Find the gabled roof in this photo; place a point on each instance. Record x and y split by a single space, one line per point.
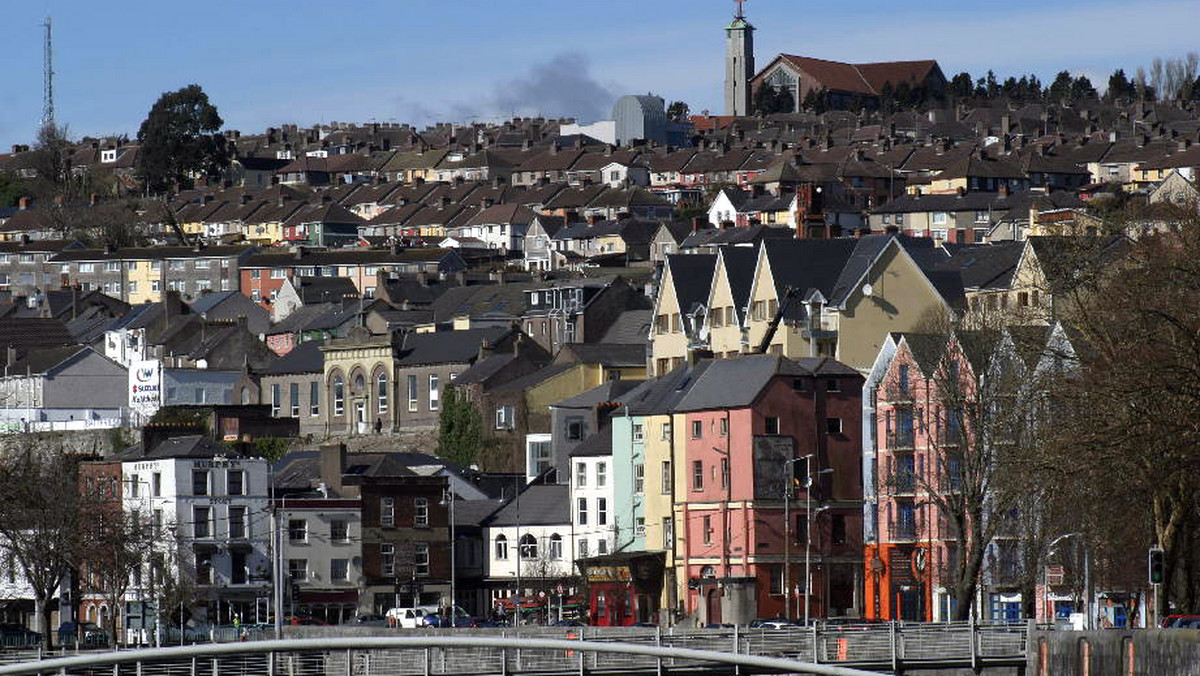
691 275
739 264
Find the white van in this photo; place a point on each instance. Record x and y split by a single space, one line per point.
410 618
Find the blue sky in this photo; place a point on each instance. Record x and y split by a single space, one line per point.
265 62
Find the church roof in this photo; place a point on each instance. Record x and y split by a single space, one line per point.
858 78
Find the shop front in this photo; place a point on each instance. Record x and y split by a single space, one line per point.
624 588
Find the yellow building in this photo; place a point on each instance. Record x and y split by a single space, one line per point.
806 298
679 310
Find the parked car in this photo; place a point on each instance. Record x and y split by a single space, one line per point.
1181 622
569 623
84 633
719 625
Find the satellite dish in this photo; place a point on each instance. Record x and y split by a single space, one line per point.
867 290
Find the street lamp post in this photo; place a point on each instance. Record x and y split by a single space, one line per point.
787 525
808 514
448 498
1087 577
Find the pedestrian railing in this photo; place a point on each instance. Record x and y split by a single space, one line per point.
838 649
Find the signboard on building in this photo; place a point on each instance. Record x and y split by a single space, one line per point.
771 476
145 386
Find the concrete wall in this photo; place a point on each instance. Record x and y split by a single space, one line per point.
1109 653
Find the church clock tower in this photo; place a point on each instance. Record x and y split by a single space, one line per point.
739 63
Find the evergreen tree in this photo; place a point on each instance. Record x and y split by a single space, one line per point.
678 111
961 86
460 429
769 100
180 140
1082 89
1060 89
1119 87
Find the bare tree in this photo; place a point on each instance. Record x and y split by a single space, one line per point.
39 519
117 545
1134 406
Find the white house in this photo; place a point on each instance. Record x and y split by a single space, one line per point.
500 227
621 174
593 506
529 539
211 508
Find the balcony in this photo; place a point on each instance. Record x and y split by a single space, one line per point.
903 529
903 482
902 440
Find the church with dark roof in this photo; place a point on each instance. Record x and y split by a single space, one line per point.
845 85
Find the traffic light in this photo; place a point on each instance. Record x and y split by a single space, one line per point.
1155 566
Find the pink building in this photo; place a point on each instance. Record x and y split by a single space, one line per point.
738 426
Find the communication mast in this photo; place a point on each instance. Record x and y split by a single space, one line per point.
48 78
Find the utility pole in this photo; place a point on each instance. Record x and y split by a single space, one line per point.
47 77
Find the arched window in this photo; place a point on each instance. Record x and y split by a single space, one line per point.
556 546
359 383
245 396
708 572
529 547
381 387
339 395
501 547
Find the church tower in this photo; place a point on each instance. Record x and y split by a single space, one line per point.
739 63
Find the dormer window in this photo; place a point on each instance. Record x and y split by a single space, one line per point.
108 156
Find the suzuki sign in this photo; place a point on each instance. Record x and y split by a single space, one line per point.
145 386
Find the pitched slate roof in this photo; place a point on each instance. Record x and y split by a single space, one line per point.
446 347
43 360
596 445
630 326
736 383
987 266
611 390
191 446
609 354
662 394
537 505
304 358
691 274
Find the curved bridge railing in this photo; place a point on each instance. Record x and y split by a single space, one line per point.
424 655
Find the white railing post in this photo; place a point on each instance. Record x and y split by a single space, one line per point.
971 636
816 657
895 642
658 662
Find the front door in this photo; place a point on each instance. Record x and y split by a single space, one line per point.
713 605
360 416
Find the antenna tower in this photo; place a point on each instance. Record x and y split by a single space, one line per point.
48 78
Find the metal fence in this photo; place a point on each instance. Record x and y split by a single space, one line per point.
556 650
